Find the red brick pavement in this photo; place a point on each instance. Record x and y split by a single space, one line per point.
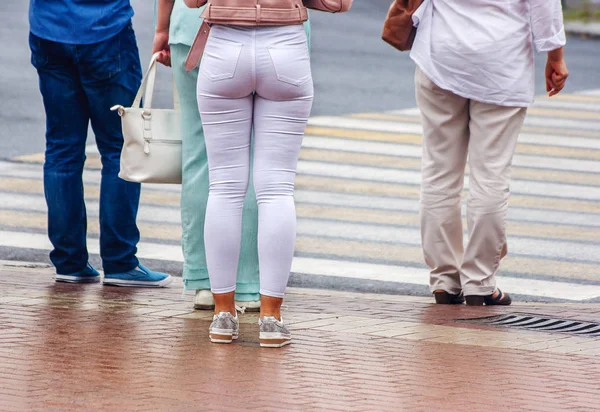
71 347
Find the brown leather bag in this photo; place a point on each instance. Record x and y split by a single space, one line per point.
398 29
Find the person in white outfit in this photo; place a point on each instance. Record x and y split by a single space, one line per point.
255 75
474 82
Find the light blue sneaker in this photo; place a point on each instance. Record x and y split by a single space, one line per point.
138 277
87 275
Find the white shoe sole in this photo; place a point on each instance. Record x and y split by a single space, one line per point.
137 283
222 336
273 340
77 279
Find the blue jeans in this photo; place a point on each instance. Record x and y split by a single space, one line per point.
79 84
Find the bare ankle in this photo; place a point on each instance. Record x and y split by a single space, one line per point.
270 306
224 302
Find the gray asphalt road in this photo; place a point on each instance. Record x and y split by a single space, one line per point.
354 70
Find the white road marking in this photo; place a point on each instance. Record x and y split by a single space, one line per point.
37 203
40 242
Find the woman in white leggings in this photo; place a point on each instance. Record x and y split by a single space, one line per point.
253 79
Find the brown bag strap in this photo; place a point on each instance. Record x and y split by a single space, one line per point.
198 46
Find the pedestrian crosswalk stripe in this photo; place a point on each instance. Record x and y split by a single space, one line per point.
410 120
564 113
568 105
560 131
591 92
412 163
381 122
587 112
92 191
589 148
560 141
557 151
580 97
36 202
37 222
415 138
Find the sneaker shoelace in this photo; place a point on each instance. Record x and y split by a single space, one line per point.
277 322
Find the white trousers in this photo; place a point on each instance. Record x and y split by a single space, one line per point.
454 127
253 79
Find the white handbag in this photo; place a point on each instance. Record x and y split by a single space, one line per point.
152 148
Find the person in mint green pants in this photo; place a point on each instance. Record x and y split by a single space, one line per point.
176 28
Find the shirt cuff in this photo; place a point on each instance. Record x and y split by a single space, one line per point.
552 43
419 13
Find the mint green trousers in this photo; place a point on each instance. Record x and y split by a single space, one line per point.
194 194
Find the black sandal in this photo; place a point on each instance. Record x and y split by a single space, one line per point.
444 298
503 299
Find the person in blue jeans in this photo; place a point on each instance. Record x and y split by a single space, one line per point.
87 60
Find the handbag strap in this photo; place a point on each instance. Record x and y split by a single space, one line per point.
147 87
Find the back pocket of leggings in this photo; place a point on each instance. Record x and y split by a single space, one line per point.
292 64
220 59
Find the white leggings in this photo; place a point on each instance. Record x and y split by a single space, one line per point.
253 79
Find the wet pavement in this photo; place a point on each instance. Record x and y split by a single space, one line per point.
72 347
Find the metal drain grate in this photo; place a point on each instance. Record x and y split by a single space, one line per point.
540 323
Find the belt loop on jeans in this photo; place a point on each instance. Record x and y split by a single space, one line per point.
258 14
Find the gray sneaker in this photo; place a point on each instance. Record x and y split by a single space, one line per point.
224 328
273 333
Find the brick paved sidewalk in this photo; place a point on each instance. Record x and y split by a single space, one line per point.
70 347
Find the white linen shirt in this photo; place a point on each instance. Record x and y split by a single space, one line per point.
484 49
